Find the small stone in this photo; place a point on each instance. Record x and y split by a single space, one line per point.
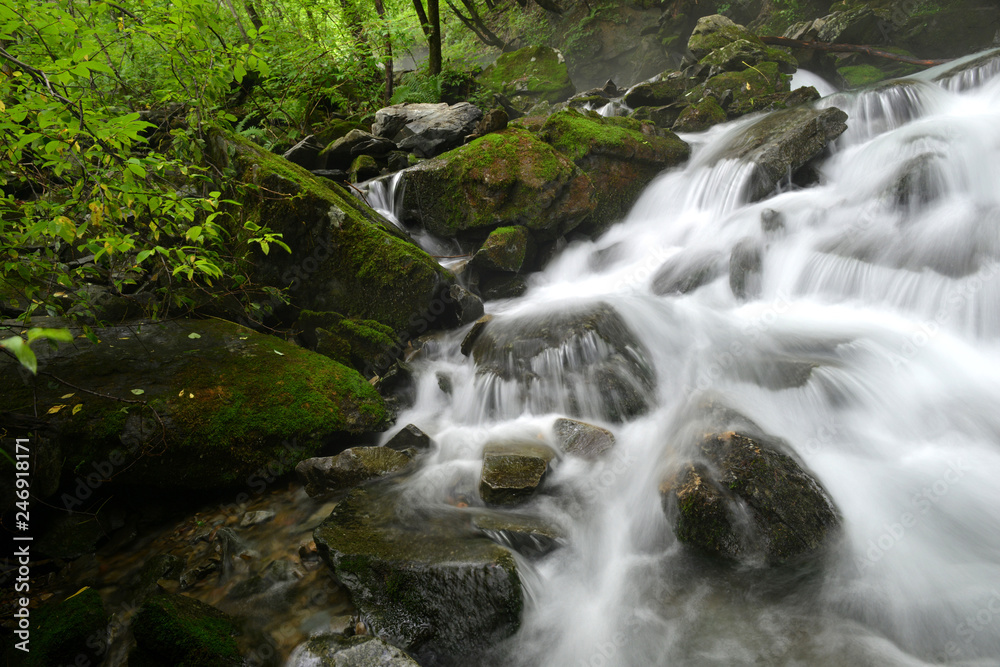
582 439
512 472
254 518
409 437
351 467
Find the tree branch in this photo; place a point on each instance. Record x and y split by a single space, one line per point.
849 48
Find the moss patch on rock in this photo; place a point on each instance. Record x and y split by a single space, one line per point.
502 179
175 630
345 257
232 403
700 116
63 630
506 249
621 156
538 72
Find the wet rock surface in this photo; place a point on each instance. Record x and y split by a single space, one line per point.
747 500
512 472
427 585
350 468
582 439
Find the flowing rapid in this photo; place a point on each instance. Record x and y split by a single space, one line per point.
880 283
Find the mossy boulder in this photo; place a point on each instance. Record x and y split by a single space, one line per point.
337 650
667 90
859 76
602 368
228 403
747 500
63 630
506 249
345 257
365 345
173 630
662 117
700 116
743 53
512 472
430 586
742 92
716 32
349 468
362 168
620 155
502 179
536 72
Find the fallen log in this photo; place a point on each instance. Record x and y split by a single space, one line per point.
849 48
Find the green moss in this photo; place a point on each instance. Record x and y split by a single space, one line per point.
858 76
371 272
61 630
700 116
577 135
500 179
506 249
535 71
181 631
362 168
751 89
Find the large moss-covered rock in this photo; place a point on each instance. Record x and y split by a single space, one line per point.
513 471
507 249
502 179
583 361
172 630
365 345
345 257
752 89
749 501
667 90
716 32
228 403
746 52
430 586
783 142
621 156
349 468
536 72
700 116
62 631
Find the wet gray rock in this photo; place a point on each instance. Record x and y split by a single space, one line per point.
466 306
351 467
306 153
431 587
512 472
745 499
783 142
745 264
589 350
342 152
410 438
336 650
526 534
427 129
687 271
254 518
582 439
507 249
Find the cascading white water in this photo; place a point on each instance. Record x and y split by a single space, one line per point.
885 280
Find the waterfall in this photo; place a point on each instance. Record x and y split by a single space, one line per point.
883 282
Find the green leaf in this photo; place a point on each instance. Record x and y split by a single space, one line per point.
24 354
194 335
138 392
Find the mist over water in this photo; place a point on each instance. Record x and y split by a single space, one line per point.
884 281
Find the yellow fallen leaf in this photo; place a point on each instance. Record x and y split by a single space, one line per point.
55 408
77 408
181 393
190 395
77 593
68 395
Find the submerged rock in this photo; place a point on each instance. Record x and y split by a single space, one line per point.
528 535
512 472
687 271
582 439
440 592
581 361
351 467
502 179
410 438
748 501
342 651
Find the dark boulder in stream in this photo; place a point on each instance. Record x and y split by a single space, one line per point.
427 584
745 499
349 468
178 630
583 361
781 143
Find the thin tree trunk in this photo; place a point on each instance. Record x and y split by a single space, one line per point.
434 39
387 36
474 23
252 12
